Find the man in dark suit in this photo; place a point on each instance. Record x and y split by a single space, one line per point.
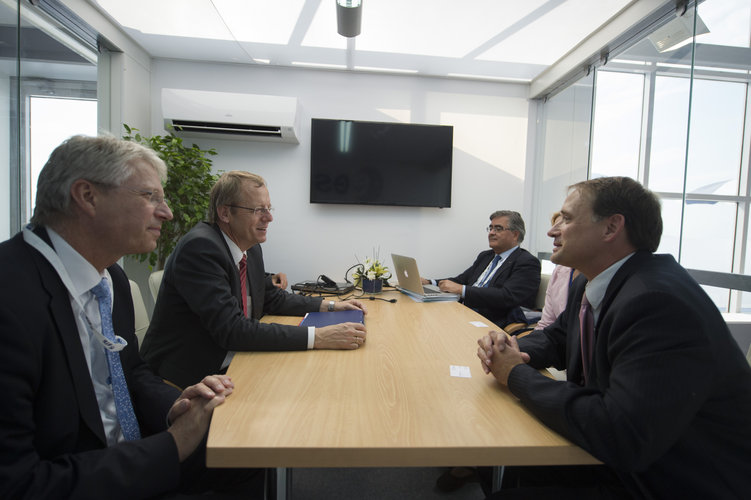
83 415
657 388
501 279
202 316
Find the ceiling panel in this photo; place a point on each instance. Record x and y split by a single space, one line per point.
510 40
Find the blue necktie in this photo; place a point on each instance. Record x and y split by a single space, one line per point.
123 405
495 262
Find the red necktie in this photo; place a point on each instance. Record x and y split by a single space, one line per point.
243 283
587 334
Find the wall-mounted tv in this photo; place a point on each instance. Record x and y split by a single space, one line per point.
380 163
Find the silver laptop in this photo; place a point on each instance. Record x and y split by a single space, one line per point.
408 276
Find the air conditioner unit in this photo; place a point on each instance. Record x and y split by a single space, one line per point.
199 113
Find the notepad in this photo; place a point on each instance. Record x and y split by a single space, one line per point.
332 318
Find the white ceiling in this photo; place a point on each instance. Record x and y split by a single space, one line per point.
507 40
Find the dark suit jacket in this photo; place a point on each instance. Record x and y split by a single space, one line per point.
198 315
52 442
515 284
668 403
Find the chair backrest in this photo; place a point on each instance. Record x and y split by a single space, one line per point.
748 355
155 281
540 300
142 317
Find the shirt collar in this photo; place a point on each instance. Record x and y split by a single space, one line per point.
234 250
83 275
596 288
504 255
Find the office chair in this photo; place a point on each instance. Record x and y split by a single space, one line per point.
141 316
533 315
155 281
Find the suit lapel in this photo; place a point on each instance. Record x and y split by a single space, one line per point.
256 280
505 266
620 277
62 315
232 271
482 265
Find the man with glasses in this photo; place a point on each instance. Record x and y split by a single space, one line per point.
83 416
214 290
501 279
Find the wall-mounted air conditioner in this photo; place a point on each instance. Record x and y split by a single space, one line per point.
200 113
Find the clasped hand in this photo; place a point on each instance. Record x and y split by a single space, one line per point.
190 414
499 353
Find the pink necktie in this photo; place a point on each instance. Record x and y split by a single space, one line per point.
243 283
587 334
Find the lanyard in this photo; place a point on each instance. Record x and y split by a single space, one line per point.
488 273
54 260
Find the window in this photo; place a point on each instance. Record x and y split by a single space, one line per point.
676 121
46 67
45 132
617 123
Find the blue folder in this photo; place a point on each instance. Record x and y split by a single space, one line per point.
332 318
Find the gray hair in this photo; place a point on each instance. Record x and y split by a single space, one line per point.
104 160
228 188
515 221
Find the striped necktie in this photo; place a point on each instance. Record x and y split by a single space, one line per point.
587 335
244 283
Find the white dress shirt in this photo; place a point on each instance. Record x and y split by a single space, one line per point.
595 289
84 277
237 256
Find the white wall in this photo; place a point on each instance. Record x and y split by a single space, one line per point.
305 240
126 78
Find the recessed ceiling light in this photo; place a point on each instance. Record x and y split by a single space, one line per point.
318 65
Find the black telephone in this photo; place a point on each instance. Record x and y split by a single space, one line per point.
327 281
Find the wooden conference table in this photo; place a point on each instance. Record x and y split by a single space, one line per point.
393 402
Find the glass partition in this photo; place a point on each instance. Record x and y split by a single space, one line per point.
8 91
675 118
48 82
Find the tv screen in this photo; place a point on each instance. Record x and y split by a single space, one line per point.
379 163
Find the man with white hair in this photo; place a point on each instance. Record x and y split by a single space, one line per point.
83 415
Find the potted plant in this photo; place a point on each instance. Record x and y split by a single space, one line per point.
189 182
371 275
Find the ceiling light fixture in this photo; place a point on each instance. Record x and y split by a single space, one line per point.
348 17
678 32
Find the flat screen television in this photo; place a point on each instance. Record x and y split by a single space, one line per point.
380 163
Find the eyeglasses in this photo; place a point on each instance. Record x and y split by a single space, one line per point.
497 229
256 211
155 198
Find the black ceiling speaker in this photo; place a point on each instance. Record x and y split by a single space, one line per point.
348 17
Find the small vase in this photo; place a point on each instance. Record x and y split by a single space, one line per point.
372 286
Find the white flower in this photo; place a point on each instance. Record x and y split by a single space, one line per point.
371 275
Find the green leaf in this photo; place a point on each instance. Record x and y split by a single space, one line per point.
189 182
